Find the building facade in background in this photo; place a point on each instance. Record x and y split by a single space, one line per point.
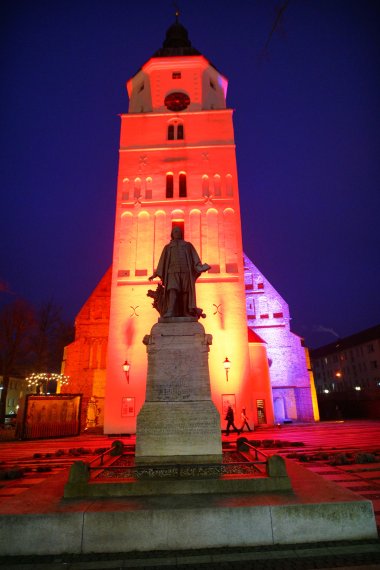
347 376
177 166
17 389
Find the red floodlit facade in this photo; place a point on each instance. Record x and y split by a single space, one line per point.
177 166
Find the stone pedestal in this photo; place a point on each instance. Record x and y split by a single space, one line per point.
178 422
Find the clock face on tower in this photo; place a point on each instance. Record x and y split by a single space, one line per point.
177 101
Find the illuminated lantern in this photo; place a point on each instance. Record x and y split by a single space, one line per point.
227 366
126 367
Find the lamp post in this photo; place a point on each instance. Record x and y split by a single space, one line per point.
126 367
227 366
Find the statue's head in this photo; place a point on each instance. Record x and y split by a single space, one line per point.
176 233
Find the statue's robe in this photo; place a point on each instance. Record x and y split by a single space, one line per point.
194 266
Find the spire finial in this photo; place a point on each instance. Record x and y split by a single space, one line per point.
177 12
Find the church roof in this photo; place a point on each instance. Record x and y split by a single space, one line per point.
176 42
254 337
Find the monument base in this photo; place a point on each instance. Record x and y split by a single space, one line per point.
315 510
178 432
178 422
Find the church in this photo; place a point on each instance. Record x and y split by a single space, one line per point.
177 167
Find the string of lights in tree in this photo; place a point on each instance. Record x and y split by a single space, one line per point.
40 378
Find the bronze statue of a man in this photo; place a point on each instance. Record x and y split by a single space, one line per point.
178 268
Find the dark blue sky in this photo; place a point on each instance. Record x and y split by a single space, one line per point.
307 132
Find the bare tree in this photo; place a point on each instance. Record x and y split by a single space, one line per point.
17 321
44 340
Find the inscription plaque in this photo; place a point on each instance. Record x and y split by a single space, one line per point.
178 422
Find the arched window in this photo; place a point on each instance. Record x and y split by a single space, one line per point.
126 251
175 131
137 192
125 190
212 252
217 190
263 308
169 185
148 188
160 235
277 310
182 185
229 189
205 185
250 303
230 234
259 282
144 249
195 230
178 220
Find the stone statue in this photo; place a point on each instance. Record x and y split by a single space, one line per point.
178 268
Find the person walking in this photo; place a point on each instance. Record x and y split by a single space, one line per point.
244 420
230 421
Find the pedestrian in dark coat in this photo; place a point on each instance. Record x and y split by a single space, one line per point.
230 421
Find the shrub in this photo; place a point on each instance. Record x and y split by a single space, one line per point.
43 469
365 458
341 459
303 457
320 456
117 447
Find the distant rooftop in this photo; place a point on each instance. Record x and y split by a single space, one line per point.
362 337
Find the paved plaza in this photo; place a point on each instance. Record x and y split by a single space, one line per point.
54 458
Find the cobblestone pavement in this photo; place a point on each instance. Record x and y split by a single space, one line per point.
359 436
331 437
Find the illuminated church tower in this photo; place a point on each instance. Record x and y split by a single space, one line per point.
177 167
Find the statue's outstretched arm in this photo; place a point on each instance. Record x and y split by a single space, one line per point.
202 267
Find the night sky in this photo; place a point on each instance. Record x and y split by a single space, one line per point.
304 82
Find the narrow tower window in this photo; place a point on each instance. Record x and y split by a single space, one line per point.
217 185
175 131
182 185
137 189
229 188
169 185
148 188
263 308
125 190
205 185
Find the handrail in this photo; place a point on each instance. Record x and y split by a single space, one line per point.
101 457
255 449
178 467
